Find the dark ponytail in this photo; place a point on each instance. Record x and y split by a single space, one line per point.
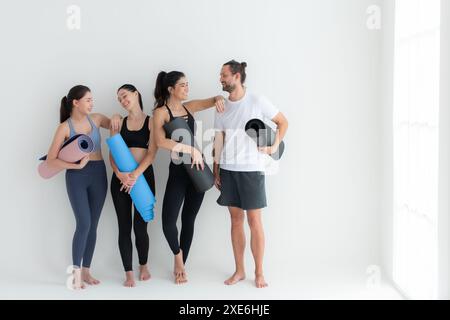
131 88
64 111
76 93
163 82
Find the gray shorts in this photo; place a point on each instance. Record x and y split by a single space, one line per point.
245 190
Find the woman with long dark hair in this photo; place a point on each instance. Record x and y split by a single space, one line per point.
85 181
136 130
170 91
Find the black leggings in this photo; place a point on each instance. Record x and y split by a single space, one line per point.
123 205
179 187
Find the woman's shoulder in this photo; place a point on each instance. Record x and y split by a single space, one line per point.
160 112
63 129
96 118
63 125
188 106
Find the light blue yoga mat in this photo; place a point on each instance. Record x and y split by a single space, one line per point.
141 194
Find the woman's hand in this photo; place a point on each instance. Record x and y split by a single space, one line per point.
197 159
127 180
219 102
83 162
115 122
130 181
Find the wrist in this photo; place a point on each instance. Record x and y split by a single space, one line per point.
135 173
275 146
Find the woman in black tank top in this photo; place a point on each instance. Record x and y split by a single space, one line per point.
171 89
136 131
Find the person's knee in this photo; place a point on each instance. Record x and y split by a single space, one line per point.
125 229
237 220
140 232
254 222
169 228
83 226
188 220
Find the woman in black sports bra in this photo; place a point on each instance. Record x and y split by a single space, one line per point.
135 129
171 89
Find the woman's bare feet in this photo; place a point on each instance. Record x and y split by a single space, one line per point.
260 282
144 273
129 282
86 277
77 282
178 270
235 278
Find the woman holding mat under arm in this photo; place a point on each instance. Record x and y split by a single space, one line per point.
86 181
136 131
171 90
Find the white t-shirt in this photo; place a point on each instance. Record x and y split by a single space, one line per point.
240 152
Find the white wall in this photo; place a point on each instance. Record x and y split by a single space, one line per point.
444 159
386 155
316 60
387 143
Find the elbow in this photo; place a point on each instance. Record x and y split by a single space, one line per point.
284 123
51 160
159 143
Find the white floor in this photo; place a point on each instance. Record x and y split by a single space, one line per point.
309 283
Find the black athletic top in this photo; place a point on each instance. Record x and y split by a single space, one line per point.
136 139
188 117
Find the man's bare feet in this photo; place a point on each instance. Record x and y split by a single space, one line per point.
77 282
178 270
86 277
129 282
260 282
235 278
144 273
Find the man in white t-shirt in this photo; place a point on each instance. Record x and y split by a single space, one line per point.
239 165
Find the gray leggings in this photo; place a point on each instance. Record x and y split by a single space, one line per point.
87 192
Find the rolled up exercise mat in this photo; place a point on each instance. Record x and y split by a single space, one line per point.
141 194
73 150
264 136
180 132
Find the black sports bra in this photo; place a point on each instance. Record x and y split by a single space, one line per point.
188 117
136 139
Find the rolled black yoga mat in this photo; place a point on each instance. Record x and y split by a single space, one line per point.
264 136
179 131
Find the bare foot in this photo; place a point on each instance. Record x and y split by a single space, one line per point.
235 278
144 273
86 276
129 282
260 282
178 269
77 282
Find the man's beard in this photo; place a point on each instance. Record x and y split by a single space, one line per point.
228 88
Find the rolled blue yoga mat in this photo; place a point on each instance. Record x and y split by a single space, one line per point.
141 194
